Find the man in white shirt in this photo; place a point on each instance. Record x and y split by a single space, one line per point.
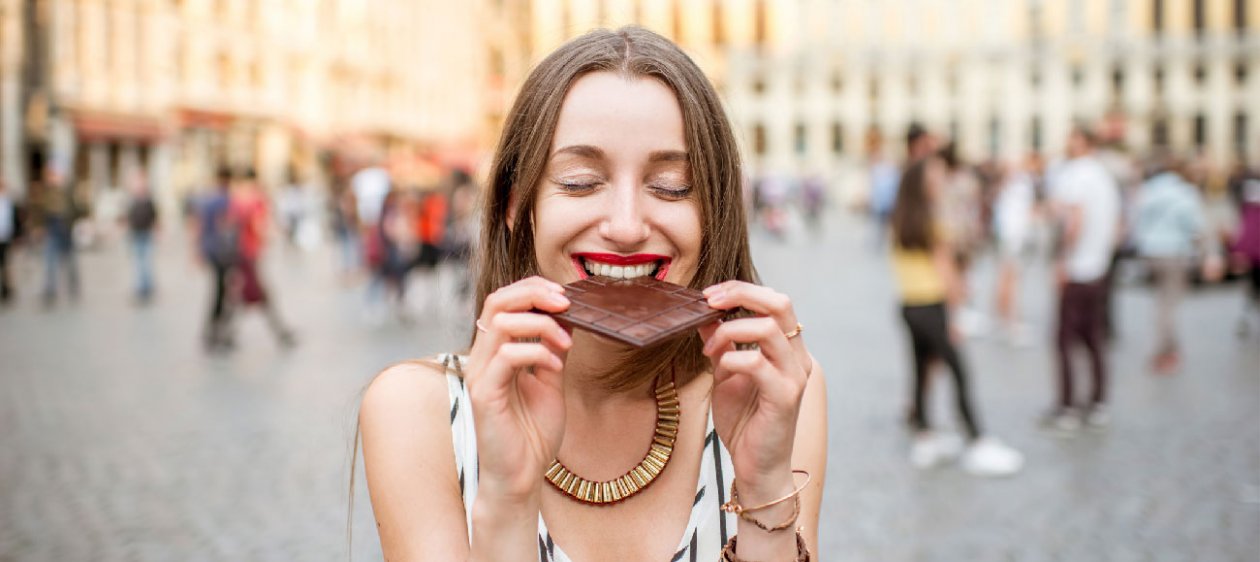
1086 203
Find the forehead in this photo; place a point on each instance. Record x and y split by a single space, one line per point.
620 114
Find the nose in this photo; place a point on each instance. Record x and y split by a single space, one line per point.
625 225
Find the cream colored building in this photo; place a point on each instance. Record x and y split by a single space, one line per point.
805 80
178 88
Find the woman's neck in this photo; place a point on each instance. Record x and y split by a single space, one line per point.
586 389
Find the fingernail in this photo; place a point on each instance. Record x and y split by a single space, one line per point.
558 298
709 290
565 338
716 296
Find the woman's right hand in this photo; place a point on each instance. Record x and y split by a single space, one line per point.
514 381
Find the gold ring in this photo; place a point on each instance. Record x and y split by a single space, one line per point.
480 327
795 331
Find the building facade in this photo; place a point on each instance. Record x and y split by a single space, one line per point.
807 81
174 89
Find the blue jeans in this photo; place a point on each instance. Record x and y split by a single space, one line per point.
142 250
59 253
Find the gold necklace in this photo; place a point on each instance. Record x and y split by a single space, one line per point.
639 477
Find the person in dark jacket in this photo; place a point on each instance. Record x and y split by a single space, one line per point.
142 220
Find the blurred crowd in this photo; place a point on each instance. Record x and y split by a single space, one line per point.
386 231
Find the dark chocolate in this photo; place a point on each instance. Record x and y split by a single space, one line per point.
640 312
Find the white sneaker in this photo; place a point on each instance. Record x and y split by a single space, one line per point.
1064 421
1096 417
972 323
987 456
933 449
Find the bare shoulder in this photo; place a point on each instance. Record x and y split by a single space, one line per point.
409 462
411 386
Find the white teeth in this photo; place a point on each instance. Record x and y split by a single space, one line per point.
619 271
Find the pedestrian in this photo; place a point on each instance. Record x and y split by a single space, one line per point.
10 233
142 220
1086 205
345 216
248 212
616 156
291 206
397 233
1012 226
1246 246
959 212
218 248
59 211
930 288
1169 230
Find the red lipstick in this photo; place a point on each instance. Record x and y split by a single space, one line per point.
615 259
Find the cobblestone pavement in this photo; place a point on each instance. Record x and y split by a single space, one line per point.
121 440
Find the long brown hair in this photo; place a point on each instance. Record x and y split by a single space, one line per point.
507 251
912 216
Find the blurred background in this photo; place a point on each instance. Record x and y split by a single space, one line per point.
165 398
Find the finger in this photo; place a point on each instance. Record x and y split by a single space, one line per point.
510 326
510 359
762 330
759 299
769 381
524 295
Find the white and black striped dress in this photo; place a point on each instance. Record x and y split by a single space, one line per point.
708 528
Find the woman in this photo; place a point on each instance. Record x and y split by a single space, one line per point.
929 284
616 152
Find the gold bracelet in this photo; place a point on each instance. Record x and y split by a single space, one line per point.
733 506
802 551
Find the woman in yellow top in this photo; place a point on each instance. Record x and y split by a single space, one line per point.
929 285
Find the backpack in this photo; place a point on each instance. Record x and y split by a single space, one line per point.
222 235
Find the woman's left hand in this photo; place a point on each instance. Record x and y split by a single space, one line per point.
757 389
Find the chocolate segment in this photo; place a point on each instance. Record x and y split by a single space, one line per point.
640 312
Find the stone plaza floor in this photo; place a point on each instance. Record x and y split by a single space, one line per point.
121 439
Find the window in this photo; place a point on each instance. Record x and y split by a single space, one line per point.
1240 135
800 137
1200 130
1159 81
759 139
1034 130
759 84
1078 76
837 138
837 82
1200 74
1240 73
719 28
1200 18
678 21
1159 133
1157 16
1034 79
1240 17
995 136
1117 81
760 24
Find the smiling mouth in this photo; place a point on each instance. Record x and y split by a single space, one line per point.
589 266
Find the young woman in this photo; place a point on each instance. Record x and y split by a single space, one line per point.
929 285
616 158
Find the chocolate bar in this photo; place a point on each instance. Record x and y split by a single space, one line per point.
640 312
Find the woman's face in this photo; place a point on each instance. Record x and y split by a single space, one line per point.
616 196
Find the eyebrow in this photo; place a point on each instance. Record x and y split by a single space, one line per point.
588 151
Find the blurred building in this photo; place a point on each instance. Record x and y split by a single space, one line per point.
807 80
177 88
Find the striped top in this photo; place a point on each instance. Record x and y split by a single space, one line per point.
708 528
